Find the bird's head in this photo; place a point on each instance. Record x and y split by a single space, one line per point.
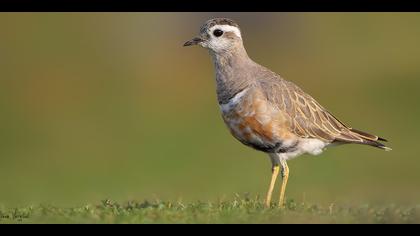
219 35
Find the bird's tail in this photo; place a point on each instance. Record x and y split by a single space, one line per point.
370 139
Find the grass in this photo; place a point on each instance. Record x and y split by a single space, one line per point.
238 210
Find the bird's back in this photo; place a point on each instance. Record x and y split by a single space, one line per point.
272 114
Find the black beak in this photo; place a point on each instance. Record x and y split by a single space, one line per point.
193 41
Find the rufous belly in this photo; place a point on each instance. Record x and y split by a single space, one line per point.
255 122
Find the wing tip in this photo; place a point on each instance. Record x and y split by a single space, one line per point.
367 136
382 139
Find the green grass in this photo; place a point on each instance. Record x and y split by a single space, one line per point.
238 210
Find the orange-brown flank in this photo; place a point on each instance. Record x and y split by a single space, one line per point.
254 121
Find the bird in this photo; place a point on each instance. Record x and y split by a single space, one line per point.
266 112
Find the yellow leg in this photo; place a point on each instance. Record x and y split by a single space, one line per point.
274 175
285 175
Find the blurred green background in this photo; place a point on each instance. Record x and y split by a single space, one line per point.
110 105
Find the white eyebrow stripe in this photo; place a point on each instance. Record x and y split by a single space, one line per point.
227 28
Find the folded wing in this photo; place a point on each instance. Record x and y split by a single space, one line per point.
308 119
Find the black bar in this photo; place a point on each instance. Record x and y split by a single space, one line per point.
208 6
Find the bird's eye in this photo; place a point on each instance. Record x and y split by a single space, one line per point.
217 32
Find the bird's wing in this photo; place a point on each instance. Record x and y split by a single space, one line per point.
306 117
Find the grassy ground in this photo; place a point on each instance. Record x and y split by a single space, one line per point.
239 210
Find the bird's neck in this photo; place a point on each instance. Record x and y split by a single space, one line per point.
231 73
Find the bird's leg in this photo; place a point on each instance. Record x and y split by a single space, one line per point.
285 176
274 173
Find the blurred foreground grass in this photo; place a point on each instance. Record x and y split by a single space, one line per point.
238 210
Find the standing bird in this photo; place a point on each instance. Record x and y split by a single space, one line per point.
266 112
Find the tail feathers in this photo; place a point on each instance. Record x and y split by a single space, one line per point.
360 137
376 144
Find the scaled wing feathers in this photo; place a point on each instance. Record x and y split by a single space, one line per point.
307 118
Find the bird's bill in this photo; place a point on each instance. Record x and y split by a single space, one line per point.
193 41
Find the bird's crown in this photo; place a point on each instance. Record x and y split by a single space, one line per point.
218 21
223 24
